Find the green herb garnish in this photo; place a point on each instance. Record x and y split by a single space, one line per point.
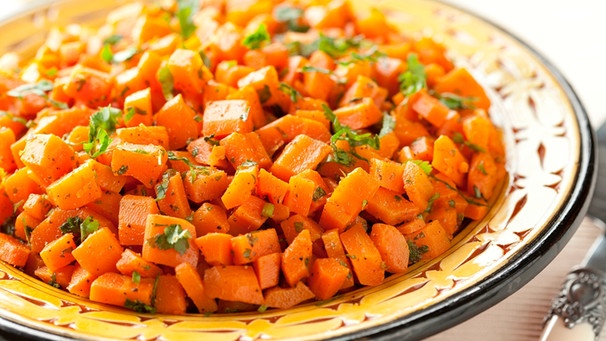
258 38
186 10
413 79
174 237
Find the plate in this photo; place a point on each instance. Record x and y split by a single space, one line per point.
551 165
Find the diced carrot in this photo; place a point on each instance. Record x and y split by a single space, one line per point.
209 218
334 249
447 158
180 121
171 197
19 185
80 282
58 253
271 187
7 138
296 258
13 251
90 86
302 153
284 298
241 186
205 184
392 246
327 277
24 224
245 148
433 239
346 202
48 157
288 127
207 151
120 290
391 207
138 108
429 107
99 252
248 216
133 214
141 134
170 296
233 283
143 162
267 269
75 189
248 247
60 277
417 185
188 71
364 256
169 241
296 223
460 82
216 248
131 262
191 281
388 173
224 117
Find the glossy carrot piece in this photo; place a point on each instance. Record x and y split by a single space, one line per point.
365 259
302 153
58 253
131 262
284 298
171 196
48 157
205 184
157 248
392 246
209 218
192 283
99 252
180 121
143 162
224 117
133 213
241 187
116 289
248 247
248 216
13 251
76 189
346 202
216 248
327 277
170 296
233 283
245 148
267 269
296 258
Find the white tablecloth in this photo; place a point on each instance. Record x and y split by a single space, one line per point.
570 35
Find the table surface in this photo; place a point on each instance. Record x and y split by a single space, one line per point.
569 37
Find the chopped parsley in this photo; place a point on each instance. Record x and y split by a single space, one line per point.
40 89
101 125
80 228
458 138
425 165
414 78
258 38
139 306
290 91
186 10
353 138
291 17
167 81
268 210
174 237
456 102
416 252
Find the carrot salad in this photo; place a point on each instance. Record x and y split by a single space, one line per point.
226 155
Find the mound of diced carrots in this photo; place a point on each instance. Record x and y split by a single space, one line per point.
227 155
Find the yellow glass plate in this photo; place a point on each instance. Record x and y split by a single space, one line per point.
551 161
